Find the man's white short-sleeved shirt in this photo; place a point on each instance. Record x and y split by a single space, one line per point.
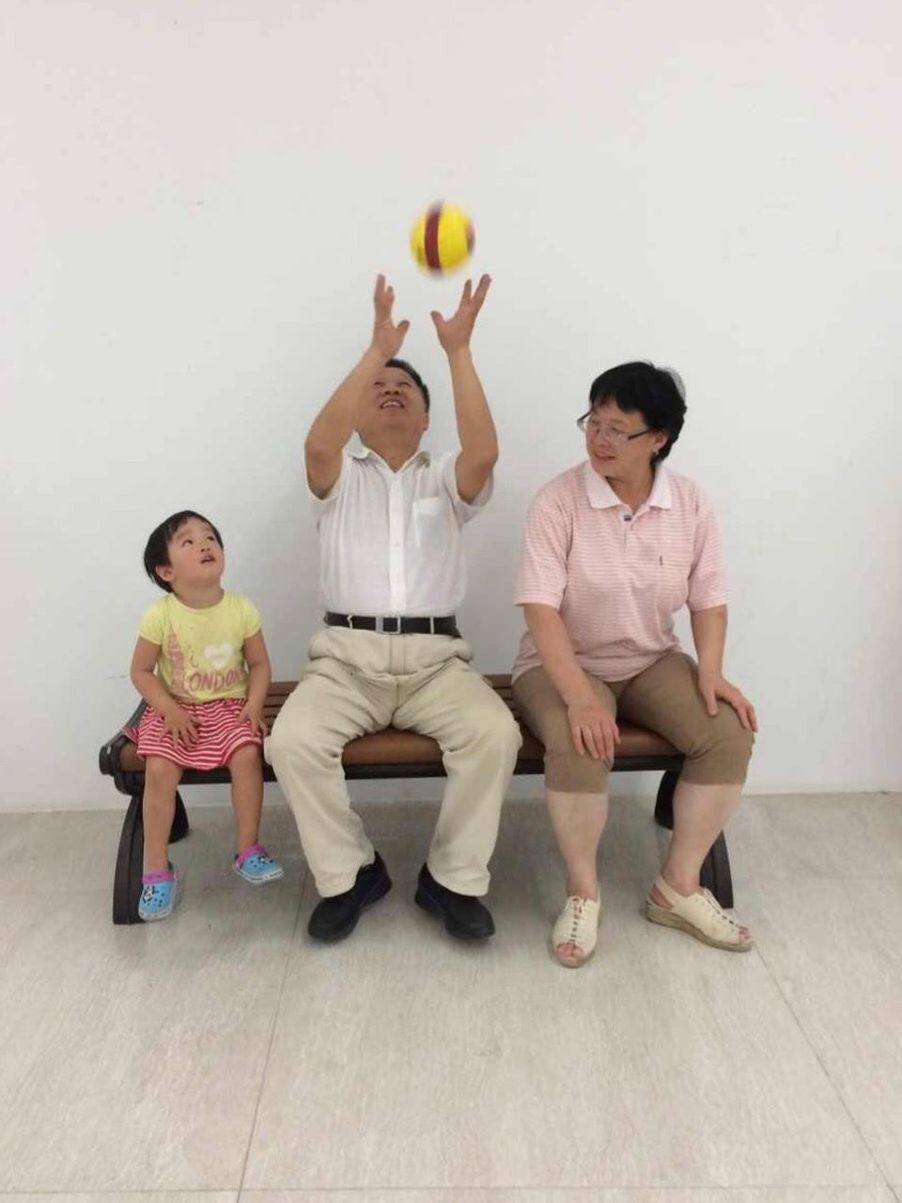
390 542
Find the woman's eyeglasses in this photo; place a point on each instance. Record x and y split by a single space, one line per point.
594 429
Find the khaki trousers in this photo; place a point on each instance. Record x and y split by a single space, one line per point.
664 698
362 681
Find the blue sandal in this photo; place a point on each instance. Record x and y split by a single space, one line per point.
256 866
159 892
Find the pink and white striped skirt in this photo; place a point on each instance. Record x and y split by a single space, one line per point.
220 734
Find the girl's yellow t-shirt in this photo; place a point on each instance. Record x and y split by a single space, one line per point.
201 651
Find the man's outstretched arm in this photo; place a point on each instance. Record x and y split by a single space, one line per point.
475 427
337 420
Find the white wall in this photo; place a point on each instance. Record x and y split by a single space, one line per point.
197 197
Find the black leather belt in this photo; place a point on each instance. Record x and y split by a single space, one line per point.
396 625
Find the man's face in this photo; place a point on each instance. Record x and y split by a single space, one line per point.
395 406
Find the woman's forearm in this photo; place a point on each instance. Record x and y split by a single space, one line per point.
556 653
709 632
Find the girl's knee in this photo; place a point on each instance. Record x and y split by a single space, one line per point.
159 771
245 759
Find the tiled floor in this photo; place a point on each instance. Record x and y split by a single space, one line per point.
221 1056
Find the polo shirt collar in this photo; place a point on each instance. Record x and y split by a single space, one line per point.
603 497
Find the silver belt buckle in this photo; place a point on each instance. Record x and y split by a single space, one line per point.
380 624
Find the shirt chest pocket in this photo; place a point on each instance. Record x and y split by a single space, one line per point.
672 572
430 522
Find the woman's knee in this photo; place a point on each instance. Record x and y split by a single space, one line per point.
723 757
568 771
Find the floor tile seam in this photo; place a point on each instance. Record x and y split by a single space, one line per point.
118 1194
249 1192
824 1068
277 1010
186 874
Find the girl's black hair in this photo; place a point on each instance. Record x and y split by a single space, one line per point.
156 553
656 393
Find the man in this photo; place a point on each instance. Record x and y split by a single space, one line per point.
392 574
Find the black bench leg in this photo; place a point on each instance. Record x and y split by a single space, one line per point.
130 860
716 875
129 865
180 827
664 801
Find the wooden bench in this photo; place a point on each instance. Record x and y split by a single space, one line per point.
382 755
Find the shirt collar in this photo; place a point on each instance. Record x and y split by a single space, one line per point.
418 457
602 496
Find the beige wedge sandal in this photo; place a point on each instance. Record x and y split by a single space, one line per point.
577 924
701 915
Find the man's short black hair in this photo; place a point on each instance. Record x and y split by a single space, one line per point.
639 387
156 553
414 376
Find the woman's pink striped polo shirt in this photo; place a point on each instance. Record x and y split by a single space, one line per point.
618 577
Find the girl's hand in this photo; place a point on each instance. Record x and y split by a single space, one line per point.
181 726
593 730
454 334
254 716
387 336
714 685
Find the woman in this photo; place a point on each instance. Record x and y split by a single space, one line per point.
612 549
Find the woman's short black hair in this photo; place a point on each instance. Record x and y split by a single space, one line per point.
656 393
156 553
414 376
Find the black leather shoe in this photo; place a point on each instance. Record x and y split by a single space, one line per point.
336 917
465 917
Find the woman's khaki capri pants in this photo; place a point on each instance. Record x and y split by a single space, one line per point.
664 698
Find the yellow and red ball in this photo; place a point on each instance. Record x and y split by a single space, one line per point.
442 238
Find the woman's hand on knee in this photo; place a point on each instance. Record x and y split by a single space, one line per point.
714 685
593 729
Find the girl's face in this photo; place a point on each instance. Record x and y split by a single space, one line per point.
195 557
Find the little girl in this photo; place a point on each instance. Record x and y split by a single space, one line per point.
201 666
